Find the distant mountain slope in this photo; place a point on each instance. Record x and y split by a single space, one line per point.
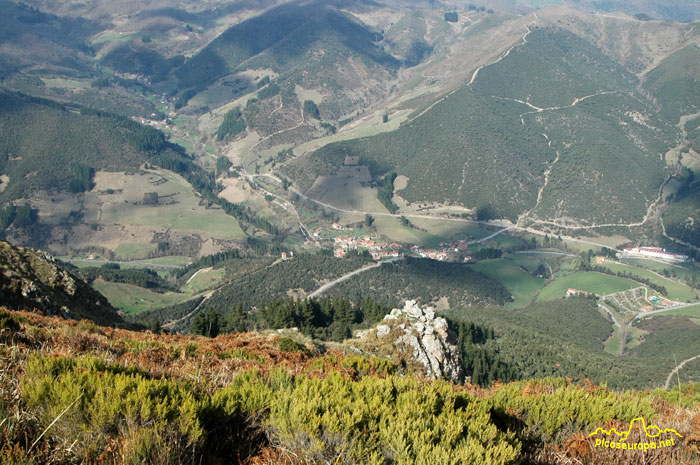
555 130
310 44
676 83
682 217
42 144
28 36
31 279
285 34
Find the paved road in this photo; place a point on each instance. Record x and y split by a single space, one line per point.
652 312
611 314
346 276
424 217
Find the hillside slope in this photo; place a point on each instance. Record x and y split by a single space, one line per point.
543 133
310 44
32 279
42 145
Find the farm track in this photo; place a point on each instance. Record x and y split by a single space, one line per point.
667 385
347 276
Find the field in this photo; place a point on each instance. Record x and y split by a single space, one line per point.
204 279
692 311
128 251
675 289
65 83
134 299
597 283
180 208
521 284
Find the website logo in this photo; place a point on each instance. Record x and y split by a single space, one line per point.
656 438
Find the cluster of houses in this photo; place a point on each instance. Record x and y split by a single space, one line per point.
153 122
440 255
456 246
382 250
379 250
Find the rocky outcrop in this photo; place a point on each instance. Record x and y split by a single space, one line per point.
34 280
417 335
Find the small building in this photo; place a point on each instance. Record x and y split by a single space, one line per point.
654 252
339 253
574 292
337 227
599 259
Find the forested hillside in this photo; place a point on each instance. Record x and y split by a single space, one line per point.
554 105
681 216
424 280
43 146
565 338
285 39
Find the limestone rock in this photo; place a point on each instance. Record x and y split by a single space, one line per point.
424 338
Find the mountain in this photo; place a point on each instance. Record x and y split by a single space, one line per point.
286 36
553 122
310 44
30 36
43 143
30 279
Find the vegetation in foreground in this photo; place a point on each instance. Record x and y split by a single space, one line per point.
75 392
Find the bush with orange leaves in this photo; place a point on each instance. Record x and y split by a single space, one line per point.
73 392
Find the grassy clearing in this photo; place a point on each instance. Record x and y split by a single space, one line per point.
368 126
675 289
205 279
113 36
521 284
681 270
173 260
692 311
635 338
129 251
528 261
597 283
450 230
179 209
65 83
307 94
612 345
393 230
134 299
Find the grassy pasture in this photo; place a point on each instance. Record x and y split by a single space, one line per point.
675 289
585 281
134 299
129 251
205 279
521 284
180 208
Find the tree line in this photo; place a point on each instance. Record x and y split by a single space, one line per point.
328 318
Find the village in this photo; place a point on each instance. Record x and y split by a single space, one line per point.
347 239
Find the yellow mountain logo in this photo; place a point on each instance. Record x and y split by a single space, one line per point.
614 439
651 431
